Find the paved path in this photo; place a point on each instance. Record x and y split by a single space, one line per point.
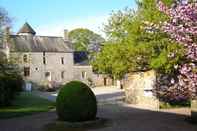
121 117
103 94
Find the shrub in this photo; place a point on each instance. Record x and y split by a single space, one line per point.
174 104
76 102
10 85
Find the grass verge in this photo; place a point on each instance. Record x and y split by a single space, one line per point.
26 104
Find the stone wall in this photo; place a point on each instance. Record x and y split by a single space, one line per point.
83 73
53 65
138 89
102 80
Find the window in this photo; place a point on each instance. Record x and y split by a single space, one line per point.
47 74
44 58
26 71
62 74
62 60
25 59
83 75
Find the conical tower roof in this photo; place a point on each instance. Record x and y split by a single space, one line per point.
27 29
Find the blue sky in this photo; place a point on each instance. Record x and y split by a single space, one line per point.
51 17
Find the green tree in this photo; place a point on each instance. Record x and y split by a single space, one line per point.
4 21
134 46
83 38
10 78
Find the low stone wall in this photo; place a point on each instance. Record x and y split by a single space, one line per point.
102 80
138 89
87 70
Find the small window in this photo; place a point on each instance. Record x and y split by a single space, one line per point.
44 53
62 74
26 71
62 60
25 59
83 75
44 58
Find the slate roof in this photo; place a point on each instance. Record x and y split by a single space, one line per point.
26 43
26 29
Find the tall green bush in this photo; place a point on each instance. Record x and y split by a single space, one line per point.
11 81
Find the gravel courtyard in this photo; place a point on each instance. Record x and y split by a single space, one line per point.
103 94
120 117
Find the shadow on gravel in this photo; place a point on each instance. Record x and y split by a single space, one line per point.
125 118
120 117
79 126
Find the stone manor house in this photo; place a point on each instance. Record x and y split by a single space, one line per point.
46 59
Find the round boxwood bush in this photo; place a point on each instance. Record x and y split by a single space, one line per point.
76 102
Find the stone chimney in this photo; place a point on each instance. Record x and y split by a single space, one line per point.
66 35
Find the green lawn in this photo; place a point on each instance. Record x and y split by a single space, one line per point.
26 104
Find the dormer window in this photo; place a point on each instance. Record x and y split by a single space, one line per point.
25 58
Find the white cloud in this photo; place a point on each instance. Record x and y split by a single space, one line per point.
56 29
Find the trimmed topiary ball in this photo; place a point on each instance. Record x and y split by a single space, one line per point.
76 102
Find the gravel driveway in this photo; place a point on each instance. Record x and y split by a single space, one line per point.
103 94
121 117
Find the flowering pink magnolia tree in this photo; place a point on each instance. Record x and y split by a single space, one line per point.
182 27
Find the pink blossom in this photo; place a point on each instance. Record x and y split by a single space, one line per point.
182 27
